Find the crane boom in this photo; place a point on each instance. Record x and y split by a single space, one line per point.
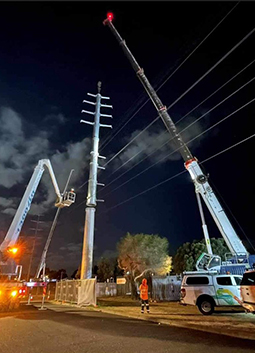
200 181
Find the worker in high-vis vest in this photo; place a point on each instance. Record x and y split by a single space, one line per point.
144 296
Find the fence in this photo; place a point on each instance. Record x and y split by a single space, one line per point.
67 291
84 292
113 289
166 288
106 289
81 292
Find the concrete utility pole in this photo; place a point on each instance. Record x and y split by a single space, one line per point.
88 240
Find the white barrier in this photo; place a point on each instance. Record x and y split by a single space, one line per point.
80 292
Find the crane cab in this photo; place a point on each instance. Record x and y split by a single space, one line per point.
67 200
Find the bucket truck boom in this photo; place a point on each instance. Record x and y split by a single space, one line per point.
200 180
11 287
62 201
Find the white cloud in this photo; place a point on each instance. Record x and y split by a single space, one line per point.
72 247
75 156
10 211
5 202
17 152
58 118
20 152
158 141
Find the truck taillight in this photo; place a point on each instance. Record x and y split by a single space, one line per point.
183 292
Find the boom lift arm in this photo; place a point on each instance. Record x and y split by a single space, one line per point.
62 201
202 186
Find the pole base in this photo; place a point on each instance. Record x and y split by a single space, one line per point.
42 308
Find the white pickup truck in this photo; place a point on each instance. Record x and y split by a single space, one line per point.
208 291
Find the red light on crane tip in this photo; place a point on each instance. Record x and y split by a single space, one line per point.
110 16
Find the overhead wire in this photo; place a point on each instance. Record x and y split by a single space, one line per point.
217 90
184 129
188 90
171 153
195 121
178 67
176 175
177 149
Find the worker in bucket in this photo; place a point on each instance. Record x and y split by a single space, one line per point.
144 296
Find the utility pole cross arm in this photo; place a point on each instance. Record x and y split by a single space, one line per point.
93 103
103 125
86 111
106 106
86 122
106 115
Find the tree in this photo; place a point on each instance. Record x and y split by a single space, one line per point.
188 253
53 274
73 275
105 269
140 253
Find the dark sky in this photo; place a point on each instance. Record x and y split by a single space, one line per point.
53 53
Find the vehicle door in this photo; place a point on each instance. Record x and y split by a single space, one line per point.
195 286
248 287
227 291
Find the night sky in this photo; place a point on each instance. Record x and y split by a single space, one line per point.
53 53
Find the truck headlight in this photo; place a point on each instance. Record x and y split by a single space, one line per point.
14 293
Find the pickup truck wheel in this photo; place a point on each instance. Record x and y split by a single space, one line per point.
206 306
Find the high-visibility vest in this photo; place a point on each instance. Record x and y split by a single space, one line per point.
143 292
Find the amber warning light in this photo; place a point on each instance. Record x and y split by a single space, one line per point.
13 250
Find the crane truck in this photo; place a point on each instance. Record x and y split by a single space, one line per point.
239 259
11 286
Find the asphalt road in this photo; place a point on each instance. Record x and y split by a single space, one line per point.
62 329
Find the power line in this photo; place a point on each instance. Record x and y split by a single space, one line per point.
171 153
199 44
176 175
228 148
193 51
190 88
217 90
240 42
147 127
195 121
194 138
218 104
